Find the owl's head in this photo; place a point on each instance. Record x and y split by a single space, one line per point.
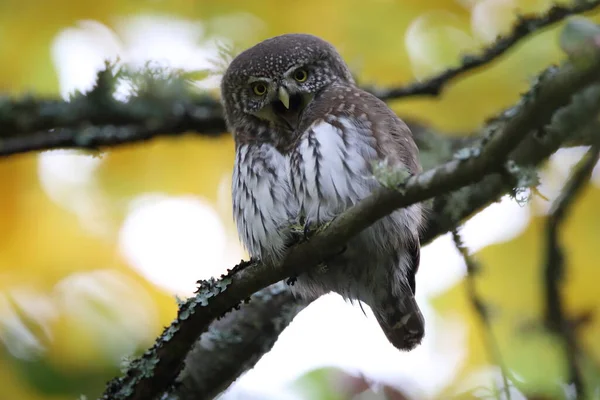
273 81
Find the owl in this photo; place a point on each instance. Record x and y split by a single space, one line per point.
306 141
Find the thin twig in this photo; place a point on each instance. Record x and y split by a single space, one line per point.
525 26
555 269
473 268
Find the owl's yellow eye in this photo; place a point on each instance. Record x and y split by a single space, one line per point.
259 88
300 75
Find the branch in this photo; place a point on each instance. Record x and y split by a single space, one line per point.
554 273
574 125
236 342
97 119
157 368
525 26
481 310
28 125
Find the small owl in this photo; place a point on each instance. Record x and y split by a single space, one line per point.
306 140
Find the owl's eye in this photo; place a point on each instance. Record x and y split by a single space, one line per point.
300 75
259 88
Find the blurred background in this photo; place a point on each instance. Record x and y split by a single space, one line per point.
94 248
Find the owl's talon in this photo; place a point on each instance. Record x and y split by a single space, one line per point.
297 229
307 231
291 280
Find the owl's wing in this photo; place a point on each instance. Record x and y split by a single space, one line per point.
345 130
371 117
395 143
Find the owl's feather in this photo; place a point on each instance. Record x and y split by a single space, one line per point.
263 203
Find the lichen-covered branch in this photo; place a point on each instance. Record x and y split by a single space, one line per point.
235 343
156 370
162 103
574 125
555 267
165 105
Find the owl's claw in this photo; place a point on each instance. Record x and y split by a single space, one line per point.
304 229
297 229
310 230
291 280
307 231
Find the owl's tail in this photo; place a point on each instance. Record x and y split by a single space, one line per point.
401 321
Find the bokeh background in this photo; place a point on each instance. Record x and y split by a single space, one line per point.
94 248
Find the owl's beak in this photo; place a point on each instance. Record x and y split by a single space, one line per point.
284 97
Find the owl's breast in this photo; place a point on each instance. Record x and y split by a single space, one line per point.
330 167
263 204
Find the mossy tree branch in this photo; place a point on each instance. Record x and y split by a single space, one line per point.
236 342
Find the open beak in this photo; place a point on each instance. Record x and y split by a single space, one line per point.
284 96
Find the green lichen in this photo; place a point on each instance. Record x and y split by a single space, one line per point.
179 301
170 331
456 203
467 153
222 338
391 177
210 288
527 180
126 362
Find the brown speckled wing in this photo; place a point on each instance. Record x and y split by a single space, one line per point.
394 139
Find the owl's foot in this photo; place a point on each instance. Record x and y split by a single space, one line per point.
310 229
307 230
304 229
297 229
